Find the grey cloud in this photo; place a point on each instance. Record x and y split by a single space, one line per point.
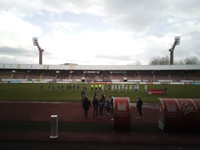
7 60
144 16
15 52
22 56
21 52
17 56
189 45
135 15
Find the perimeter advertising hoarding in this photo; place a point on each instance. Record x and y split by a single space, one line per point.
179 114
100 82
122 113
156 91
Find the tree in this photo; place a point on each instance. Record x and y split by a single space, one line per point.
180 62
191 60
136 63
159 61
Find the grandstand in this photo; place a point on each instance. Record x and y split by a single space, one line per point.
100 73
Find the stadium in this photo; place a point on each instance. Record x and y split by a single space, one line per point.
106 73
43 105
111 78
26 107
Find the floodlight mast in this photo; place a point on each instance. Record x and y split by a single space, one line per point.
35 43
176 42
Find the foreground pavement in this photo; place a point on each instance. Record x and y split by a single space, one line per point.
73 112
120 138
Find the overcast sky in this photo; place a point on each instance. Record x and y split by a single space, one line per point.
98 32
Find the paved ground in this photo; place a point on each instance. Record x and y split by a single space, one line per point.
73 112
67 112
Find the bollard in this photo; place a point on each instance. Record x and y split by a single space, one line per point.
54 126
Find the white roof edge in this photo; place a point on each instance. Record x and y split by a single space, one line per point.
99 67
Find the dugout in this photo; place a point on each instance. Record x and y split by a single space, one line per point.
179 114
125 79
83 79
122 113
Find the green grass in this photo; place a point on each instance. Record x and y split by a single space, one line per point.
33 92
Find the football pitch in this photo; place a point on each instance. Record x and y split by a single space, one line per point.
72 92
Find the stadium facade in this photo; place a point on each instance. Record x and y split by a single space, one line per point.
100 73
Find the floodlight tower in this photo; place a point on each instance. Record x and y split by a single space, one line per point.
35 43
176 42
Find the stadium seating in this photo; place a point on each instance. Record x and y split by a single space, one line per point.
177 75
162 75
19 74
5 74
99 75
193 75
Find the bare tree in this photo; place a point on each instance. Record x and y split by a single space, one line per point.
136 63
154 61
159 61
180 62
191 60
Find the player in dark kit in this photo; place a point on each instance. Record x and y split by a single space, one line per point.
41 86
139 107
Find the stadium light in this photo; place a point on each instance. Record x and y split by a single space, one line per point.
35 43
176 42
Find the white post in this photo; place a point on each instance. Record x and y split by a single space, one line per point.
54 126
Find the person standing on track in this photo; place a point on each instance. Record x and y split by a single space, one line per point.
103 97
95 105
101 106
111 106
95 93
83 94
139 107
86 105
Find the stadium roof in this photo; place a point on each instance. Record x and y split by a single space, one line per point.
99 67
